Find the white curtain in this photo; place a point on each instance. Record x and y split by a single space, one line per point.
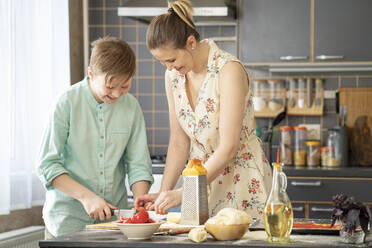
34 69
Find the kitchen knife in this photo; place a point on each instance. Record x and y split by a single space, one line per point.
127 213
122 213
309 92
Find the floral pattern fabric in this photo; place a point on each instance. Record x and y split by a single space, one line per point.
246 179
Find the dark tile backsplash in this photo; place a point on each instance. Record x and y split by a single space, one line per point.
148 83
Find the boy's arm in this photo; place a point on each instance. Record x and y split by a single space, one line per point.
50 162
95 206
140 188
136 155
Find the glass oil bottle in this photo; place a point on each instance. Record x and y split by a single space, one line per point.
278 213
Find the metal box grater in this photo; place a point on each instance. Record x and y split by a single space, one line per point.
194 208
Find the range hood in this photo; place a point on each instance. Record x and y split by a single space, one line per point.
206 12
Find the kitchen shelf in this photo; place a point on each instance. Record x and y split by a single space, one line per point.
312 66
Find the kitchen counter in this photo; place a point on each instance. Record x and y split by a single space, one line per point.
114 239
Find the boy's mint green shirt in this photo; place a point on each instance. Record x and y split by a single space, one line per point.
95 144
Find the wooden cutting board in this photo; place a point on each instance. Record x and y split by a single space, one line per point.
361 140
107 225
358 102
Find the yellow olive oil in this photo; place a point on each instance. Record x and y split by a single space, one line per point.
278 221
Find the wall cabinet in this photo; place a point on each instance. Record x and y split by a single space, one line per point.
272 30
305 31
343 30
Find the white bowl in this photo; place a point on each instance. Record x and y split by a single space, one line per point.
139 231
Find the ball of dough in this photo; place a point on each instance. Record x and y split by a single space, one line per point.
198 235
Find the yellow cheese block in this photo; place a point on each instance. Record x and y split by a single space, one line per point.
108 225
194 168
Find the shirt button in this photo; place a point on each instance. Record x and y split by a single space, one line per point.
101 155
101 191
101 172
102 137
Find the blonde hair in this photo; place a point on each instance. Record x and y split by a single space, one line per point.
112 56
173 27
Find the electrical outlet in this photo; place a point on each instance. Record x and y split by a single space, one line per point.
313 131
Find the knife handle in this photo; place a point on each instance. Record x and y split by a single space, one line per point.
180 230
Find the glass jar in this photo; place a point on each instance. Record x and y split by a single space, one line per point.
328 157
333 142
278 212
259 98
286 145
299 153
276 90
318 91
292 93
301 93
313 153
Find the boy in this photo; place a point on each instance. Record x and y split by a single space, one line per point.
95 137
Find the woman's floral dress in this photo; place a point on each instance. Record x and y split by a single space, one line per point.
246 180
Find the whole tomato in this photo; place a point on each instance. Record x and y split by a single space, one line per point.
140 217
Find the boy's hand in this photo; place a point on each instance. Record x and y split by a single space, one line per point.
97 208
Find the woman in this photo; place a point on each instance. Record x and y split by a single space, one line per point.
211 117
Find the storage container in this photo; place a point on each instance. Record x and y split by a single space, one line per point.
301 93
299 153
276 91
259 95
312 153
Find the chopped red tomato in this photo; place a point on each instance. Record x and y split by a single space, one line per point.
141 216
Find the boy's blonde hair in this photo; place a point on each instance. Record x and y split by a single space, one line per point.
113 57
172 28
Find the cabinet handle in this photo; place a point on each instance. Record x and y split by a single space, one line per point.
298 209
315 209
290 58
311 184
329 57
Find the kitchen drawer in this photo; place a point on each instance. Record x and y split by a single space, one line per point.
320 211
322 189
298 210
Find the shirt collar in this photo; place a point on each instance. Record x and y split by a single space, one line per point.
92 101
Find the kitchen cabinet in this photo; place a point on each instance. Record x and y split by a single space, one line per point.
343 30
274 31
314 194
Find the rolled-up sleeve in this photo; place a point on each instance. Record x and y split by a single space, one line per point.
136 156
50 163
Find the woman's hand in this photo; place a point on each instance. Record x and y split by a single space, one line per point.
167 200
146 201
97 208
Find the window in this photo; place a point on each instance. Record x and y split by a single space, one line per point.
34 69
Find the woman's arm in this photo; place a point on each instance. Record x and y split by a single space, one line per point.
178 152
233 85
179 145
